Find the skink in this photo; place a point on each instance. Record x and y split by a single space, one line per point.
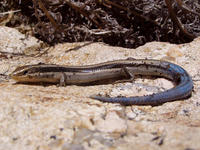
63 75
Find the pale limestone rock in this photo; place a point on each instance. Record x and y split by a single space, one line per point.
112 123
12 41
51 117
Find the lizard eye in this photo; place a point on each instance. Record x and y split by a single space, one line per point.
25 72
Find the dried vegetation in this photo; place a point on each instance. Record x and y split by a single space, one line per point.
127 23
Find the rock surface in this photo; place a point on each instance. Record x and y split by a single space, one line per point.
51 117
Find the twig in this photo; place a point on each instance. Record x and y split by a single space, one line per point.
49 16
128 10
186 8
176 20
6 19
9 12
82 12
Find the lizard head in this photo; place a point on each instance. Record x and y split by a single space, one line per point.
25 73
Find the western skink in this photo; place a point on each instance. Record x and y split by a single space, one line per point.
63 75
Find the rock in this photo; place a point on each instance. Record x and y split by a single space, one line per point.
51 117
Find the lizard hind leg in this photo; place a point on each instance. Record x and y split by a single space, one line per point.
129 76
